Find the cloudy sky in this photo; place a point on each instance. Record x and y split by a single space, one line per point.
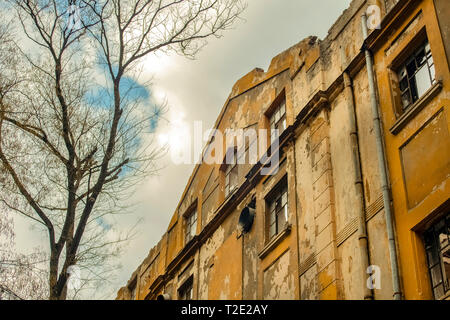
196 91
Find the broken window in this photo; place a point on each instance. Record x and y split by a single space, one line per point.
437 246
186 291
278 119
416 75
191 225
231 172
277 205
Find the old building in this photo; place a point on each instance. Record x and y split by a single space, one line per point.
359 205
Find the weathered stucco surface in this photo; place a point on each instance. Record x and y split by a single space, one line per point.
318 253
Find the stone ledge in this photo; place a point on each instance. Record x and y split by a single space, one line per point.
413 110
275 242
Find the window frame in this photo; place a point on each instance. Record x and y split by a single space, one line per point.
231 171
434 256
275 123
187 286
407 79
274 221
395 64
190 223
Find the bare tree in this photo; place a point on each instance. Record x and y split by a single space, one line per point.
83 127
22 276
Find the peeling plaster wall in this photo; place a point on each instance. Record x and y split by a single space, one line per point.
378 244
304 191
278 281
309 284
207 261
343 177
353 283
225 282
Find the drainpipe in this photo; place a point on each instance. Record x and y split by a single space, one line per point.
357 176
382 166
296 219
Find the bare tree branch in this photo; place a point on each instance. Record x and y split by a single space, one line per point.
74 136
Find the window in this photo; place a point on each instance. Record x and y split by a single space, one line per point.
132 289
231 172
277 205
186 291
437 248
278 119
191 226
416 75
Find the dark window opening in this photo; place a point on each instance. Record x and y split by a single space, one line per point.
437 246
186 291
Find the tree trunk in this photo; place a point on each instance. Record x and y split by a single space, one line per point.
53 281
56 292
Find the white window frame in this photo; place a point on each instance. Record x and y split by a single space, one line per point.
278 119
277 206
191 225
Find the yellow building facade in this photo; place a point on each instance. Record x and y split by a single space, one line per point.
416 132
357 206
